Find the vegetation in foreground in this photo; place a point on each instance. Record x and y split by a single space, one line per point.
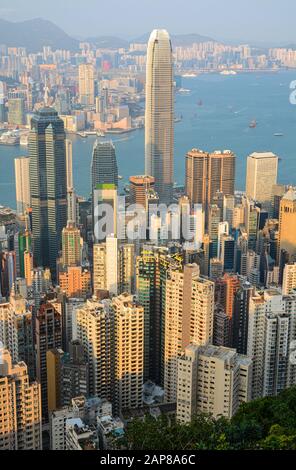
268 423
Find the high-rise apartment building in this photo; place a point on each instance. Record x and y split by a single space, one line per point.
287 232
48 186
159 114
189 315
71 245
128 352
213 380
209 173
151 273
93 328
48 331
22 184
75 281
289 279
261 177
20 407
271 331
105 266
86 84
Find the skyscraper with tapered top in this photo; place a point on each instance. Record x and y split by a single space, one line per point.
159 114
48 185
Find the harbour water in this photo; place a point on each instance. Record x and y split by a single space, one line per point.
215 115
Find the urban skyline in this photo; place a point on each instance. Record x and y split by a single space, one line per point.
145 297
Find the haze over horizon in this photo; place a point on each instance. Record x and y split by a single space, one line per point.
251 22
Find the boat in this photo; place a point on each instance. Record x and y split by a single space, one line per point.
278 134
184 91
90 133
178 118
228 72
253 124
189 75
100 134
9 138
199 103
82 134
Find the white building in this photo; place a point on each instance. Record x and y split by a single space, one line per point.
212 379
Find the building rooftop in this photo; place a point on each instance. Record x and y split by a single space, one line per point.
261 155
290 195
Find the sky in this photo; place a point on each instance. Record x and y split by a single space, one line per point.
254 21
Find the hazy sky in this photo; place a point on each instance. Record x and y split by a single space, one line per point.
249 20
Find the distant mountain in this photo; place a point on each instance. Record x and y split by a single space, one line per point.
108 42
34 34
178 39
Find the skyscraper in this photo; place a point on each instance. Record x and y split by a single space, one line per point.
48 185
287 233
86 84
139 187
22 184
159 114
207 173
261 177
104 164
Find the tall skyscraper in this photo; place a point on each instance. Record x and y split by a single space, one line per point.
287 232
159 114
20 407
86 84
261 177
104 164
209 173
48 185
22 184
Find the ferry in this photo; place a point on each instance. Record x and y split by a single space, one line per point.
189 75
9 138
228 72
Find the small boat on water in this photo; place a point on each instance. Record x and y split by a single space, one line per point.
253 124
199 103
278 134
